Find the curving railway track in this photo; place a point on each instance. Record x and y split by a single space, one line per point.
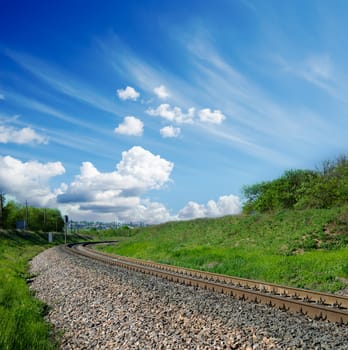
317 305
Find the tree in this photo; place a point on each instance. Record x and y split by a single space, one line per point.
2 201
300 189
40 219
11 214
281 193
330 188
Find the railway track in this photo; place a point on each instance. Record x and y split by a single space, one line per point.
324 306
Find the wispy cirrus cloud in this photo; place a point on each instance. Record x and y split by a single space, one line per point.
257 122
44 108
254 122
62 81
148 76
249 4
213 80
316 69
69 136
319 70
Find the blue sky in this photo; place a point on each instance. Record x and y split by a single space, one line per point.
161 110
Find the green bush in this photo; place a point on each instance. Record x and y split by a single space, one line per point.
301 189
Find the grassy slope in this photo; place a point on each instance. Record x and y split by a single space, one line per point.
307 249
21 316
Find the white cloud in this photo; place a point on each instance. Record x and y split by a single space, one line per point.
146 211
128 93
218 81
117 194
192 210
142 210
2 96
226 205
174 114
161 92
130 126
94 195
26 135
215 117
170 131
151 171
29 180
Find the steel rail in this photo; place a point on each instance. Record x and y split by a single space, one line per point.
316 305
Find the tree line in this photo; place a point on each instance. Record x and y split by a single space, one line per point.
14 215
325 187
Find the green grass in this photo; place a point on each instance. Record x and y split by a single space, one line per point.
21 315
307 249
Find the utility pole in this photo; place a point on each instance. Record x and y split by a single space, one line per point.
66 220
26 223
2 199
44 220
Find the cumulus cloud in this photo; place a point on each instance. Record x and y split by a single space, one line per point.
106 196
9 134
176 115
146 211
117 193
130 126
170 131
226 205
29 180
142 211
192 210
173 114
161 92
128 93
149 170
209 116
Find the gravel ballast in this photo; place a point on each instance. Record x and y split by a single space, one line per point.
97 306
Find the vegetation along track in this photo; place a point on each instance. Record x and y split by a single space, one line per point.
317 305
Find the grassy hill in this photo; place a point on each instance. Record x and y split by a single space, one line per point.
302 248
